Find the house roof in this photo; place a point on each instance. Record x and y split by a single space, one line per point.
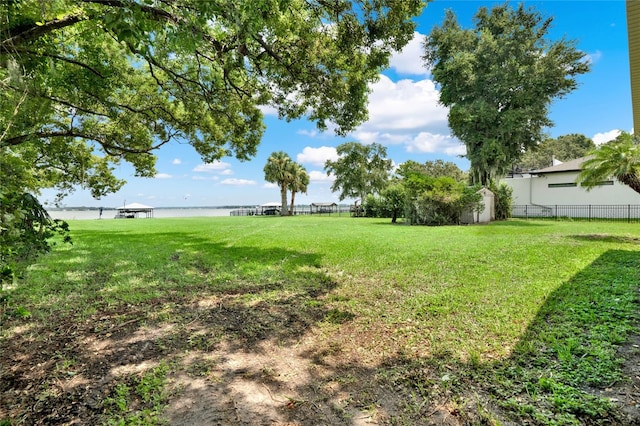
135 206
569 166
633 32
486 192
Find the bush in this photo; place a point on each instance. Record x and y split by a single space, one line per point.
25 231
376 207
442 202
503 199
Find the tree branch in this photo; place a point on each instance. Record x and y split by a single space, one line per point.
109 148
61 58
154 11
34 32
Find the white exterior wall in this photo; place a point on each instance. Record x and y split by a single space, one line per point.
535 190
521 190
487 215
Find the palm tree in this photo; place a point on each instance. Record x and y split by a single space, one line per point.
619 159
279 170
299 183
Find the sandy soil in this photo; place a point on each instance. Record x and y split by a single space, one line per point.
267 365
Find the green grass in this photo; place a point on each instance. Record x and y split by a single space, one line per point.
529 314
147 391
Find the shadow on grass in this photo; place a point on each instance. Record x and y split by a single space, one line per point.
235 326
119 304
574 364
518 223
571 353
522 223
607 238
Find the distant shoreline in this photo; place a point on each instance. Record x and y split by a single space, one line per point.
230 207
83 213
81 208
80 213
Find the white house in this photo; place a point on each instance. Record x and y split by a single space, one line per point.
556 186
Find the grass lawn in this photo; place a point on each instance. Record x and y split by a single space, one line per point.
333 320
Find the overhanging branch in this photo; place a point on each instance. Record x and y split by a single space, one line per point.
109 148
61 58
36 31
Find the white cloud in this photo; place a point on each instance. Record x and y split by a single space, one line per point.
163 176
600 138
215 167
366 138
385 138
205 178
592 58
318 176
309 133
317 156
270 185
409 60
408 113
176 161
239 182
405 105
430 143
268 110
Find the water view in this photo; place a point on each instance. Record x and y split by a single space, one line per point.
71 213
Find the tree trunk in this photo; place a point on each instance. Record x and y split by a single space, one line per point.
631 180
283 201
293 197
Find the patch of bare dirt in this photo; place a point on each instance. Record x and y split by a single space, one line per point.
229 363
626 395
236 364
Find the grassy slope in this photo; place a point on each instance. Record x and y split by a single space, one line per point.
524 313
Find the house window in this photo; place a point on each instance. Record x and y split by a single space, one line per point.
563 185
604 183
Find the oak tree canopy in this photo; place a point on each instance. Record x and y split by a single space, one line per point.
88 83
499 80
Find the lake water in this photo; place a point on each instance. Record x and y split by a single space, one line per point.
78 214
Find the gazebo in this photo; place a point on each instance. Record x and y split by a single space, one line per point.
131 211
323 208
270 209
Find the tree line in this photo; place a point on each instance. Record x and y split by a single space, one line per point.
431 193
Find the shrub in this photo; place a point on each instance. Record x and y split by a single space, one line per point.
376 207
25 231
442 202
503 199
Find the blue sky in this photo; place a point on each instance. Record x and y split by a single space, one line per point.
404 115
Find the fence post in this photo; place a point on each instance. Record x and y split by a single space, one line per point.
556 212
589 212
629 213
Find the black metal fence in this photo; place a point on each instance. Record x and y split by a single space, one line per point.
602 213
